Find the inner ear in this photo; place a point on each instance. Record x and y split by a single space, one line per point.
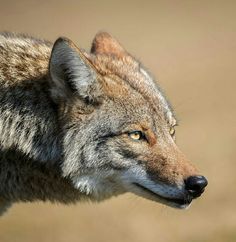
72 74
104 43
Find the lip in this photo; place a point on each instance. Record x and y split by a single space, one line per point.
173 202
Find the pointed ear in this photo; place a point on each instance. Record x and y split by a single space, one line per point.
104 43
72 74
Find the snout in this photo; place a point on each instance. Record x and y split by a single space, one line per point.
195 185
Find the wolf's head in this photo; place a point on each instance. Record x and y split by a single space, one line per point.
119 130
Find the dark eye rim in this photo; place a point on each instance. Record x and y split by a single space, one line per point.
142 134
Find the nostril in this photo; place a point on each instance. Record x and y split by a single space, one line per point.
195 185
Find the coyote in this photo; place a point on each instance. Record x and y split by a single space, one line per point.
77 125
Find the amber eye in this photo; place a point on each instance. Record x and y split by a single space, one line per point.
136 135
172 131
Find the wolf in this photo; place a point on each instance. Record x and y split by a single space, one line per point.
77 125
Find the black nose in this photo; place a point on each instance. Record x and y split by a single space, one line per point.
195 185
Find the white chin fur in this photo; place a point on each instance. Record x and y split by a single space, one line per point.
86 185
98 186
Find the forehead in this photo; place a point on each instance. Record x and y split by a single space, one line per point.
131 78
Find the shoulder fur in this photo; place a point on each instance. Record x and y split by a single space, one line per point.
22 57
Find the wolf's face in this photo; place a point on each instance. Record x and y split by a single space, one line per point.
118 127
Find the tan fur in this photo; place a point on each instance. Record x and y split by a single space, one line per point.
103 43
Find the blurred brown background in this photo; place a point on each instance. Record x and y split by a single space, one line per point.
190 47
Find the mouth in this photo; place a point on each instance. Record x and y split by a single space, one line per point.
172 202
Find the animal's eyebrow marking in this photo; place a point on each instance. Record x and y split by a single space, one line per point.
151 137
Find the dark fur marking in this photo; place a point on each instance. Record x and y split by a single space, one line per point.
127 153
82 156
